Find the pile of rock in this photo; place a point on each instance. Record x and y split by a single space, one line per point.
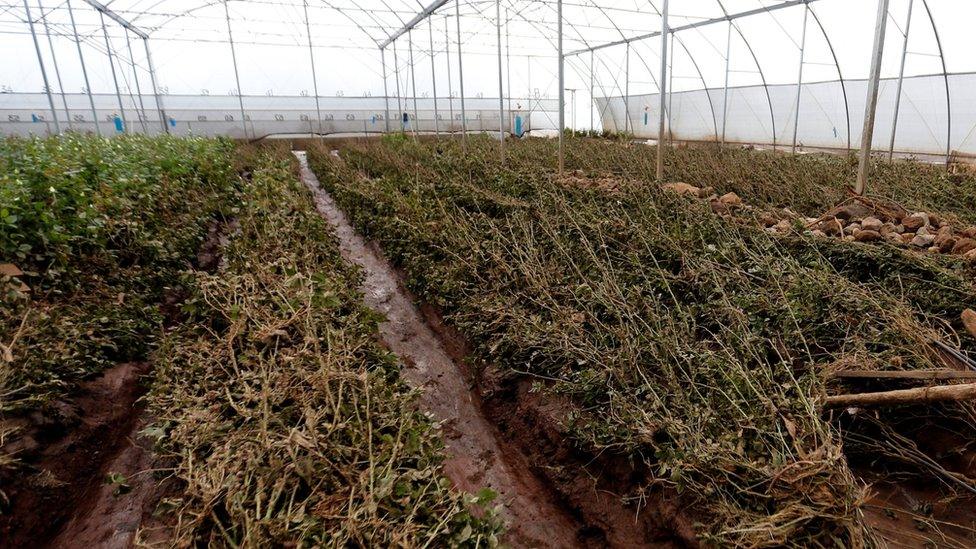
858 221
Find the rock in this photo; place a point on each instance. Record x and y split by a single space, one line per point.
681 188
705 192
719 208
907 237
818 233
782 226
923 240
968 232
730 199
849 237
867 236
831 227
935 220
933 249
915 221
871 223
9 269
767 219
887 228
970 256
945 240
969 321
852 211
963 245
852 228
894 238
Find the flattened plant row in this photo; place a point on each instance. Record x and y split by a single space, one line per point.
288 423
691 346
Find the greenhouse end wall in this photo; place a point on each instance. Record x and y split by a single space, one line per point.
827 119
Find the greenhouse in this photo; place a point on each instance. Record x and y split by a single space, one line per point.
487 273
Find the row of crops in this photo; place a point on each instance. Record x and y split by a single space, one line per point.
696 348
269 413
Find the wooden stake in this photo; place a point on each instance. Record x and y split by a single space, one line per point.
903 374
918 395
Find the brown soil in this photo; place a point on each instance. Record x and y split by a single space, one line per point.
63 499
550 496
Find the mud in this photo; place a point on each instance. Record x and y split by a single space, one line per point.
64 499
548 498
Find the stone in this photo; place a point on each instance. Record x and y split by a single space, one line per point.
681 188
852 228
894 238
915 221
849 237
831 227
923 240
705 192
887 228
867 236
818 233
907 237
923 230
963 245
9 269
935 220
767 219
871 223
970 256
730 199
718 207
852 211
969 321
968 232
782 226
944 239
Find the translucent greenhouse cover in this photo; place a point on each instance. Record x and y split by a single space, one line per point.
251 68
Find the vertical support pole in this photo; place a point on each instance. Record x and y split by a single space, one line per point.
671 91
464 115
799 78
450 85
386 94
562 83
237 75
901 77
111 64
501 88
84 69
592 127
508 68
135 76
871 103
725 88
663 80
627 89
413 83
54 59
433 75
152 78
40 61
311 60
396 75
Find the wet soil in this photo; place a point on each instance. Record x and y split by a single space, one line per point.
510 441
64 499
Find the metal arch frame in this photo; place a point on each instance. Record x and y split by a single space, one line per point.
840 75
762 75
945 75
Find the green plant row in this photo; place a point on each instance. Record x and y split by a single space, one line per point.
102 229
689 344
287 422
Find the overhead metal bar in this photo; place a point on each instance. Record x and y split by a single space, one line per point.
427 12
117 18
695 25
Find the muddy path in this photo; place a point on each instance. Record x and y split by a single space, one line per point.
477 454
67 499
